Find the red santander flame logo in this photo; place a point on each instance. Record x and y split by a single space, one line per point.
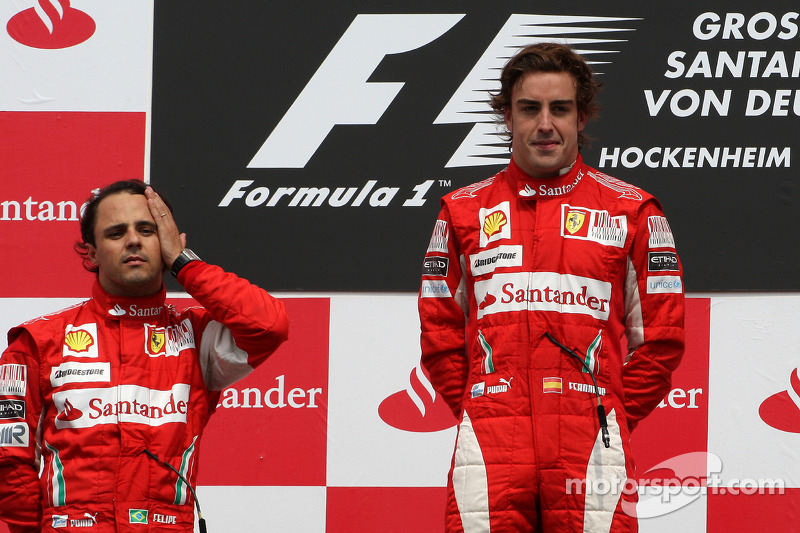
51 24
489 300
782 410
69 413
418 408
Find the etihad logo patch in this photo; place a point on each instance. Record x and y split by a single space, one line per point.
495 223
503 256
80 373
435 266
593 225
552 385
12 409
543 291
439 239
83 408
80 341
13 379
662 261
660 233
168 341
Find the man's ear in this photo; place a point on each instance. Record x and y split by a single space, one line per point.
92 252
582 120
508 121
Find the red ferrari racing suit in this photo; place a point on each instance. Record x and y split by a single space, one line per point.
89 390
518 273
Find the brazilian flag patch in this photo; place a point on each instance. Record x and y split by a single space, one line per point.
137 516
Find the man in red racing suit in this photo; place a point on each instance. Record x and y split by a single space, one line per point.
106 391
542 294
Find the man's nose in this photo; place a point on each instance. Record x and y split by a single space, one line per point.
545 121
132 238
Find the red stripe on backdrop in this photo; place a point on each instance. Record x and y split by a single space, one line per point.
385 509
732 513
50 163
680 424
270 428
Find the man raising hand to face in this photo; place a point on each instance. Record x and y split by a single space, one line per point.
123 384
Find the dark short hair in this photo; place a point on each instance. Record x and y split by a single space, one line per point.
548 57
89 214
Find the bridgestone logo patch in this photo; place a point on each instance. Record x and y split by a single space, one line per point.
80 373
503 256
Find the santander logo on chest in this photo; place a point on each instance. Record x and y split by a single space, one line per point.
543 291
135 310
83 408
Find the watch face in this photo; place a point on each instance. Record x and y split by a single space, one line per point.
185 257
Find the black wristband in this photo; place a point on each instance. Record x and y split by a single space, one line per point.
186 257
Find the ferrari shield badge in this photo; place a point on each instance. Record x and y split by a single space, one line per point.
575 220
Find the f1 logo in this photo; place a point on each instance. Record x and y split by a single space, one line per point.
339 93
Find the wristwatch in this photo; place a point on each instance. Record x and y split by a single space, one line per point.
186 257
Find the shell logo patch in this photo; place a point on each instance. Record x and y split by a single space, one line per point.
495 223
80 341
